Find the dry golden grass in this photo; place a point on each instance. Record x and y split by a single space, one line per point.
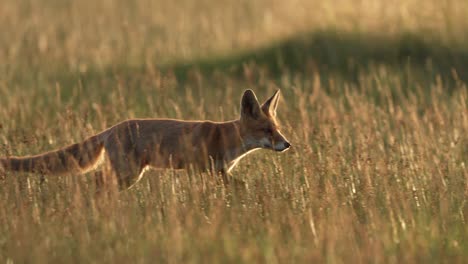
378 172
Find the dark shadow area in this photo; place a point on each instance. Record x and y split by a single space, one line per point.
339 53
343 56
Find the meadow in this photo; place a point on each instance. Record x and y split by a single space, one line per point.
375 104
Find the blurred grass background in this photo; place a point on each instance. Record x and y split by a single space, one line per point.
375 103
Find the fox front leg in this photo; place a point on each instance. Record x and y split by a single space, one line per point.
224 176
229 180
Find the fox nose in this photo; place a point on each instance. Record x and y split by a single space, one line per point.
282 146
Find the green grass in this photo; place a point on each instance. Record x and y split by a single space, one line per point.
374 102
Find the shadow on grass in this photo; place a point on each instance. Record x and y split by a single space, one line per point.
340 53
329 53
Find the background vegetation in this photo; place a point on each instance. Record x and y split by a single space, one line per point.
375 104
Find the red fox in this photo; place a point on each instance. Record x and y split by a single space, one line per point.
136 144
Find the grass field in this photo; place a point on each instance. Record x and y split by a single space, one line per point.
374 102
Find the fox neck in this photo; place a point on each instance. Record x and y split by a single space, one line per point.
237 138
237 147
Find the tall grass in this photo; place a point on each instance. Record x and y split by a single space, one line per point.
378 171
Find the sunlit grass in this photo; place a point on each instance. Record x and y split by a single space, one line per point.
378 171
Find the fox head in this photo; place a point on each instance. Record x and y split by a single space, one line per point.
258 123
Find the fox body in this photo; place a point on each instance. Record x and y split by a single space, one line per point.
129 147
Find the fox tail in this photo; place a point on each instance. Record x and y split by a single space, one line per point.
80 157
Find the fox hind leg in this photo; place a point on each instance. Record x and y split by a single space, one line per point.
127 170
127 177
118 173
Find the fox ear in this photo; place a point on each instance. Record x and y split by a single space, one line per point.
249 105
270 105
